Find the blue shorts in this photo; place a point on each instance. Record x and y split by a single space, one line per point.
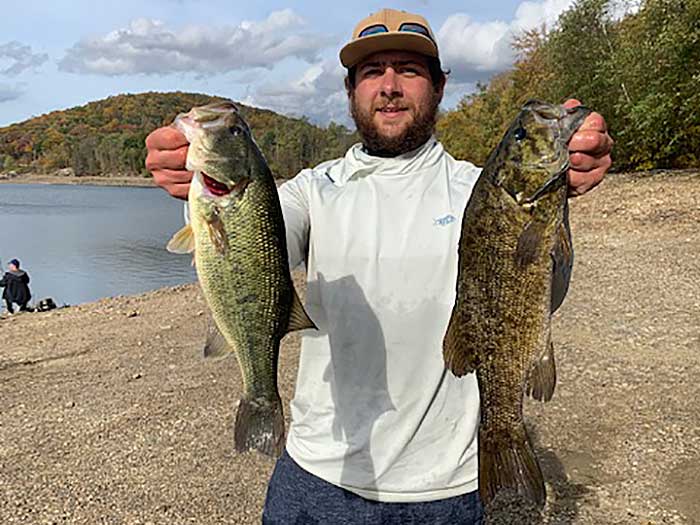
296 497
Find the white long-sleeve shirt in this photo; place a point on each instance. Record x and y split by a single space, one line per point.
375 411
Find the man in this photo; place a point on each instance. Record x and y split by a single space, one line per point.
16 284
380 433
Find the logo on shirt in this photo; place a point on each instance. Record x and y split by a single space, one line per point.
444 221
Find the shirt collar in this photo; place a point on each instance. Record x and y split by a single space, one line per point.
357 163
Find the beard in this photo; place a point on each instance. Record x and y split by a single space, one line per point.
415 135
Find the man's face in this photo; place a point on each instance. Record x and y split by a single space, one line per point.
394 103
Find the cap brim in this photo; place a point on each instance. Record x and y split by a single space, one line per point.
361 48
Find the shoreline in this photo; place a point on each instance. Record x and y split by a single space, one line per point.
72 180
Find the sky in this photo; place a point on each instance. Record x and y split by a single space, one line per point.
57 54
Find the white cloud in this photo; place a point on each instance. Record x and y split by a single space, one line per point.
616 10
9 92
148 46
318 94
474 50
533 14
19 58
477 50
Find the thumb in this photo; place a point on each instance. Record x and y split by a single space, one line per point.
571 103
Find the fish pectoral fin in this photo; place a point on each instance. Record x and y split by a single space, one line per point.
217 233
216 344
298 318
460 358
182 241
529 243
543 376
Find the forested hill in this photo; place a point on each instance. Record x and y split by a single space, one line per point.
107 137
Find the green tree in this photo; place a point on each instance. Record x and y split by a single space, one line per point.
660 59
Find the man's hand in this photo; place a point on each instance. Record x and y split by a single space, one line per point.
589 152
167 152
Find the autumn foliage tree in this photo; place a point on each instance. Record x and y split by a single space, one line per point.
107 137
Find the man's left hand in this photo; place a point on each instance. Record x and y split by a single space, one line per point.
589 153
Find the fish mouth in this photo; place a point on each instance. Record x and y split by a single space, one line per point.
216 188
211 114
569 120
545 110
572 120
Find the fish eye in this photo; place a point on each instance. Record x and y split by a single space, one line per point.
235 130
520 133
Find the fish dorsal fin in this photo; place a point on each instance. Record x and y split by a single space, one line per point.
298 318
563 262
216 344
182 241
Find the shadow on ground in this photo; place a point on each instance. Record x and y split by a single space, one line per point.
684 485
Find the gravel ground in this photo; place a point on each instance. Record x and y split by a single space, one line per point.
109 415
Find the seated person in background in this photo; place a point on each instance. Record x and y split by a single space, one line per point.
16 284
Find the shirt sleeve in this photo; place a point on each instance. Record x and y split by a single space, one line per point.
295 209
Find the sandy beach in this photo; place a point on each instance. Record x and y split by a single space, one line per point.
110 415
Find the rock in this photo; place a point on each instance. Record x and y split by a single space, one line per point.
65 172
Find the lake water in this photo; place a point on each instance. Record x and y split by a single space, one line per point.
82 243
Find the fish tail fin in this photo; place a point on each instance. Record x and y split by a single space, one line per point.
259 425
543 377
510 463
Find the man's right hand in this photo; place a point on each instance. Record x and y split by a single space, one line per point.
167 153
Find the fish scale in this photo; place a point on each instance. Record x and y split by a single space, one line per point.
238 238
252 280
500 323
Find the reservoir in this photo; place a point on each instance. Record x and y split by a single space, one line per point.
81 243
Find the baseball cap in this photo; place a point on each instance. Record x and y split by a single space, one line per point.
386 30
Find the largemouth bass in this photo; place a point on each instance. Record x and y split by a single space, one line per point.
514 236
237 233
